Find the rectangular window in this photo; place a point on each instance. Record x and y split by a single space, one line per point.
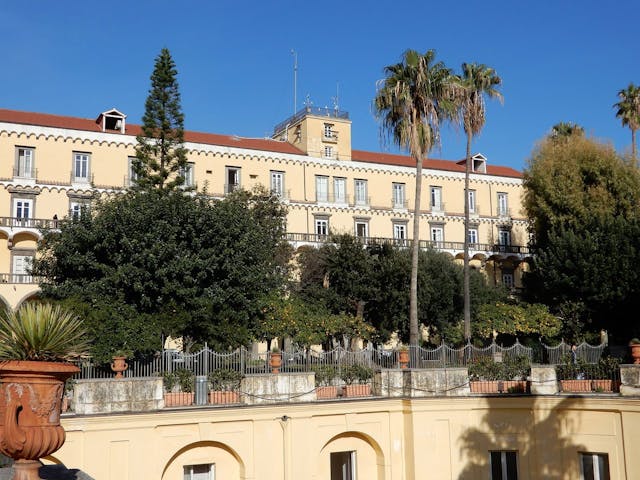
436 199
188 175
360 192
473 235
24 167
133 176
21 268
503 204
504 465
504 237
199 472
362 228
81 167
329 134
77 208
340 189
594 466
22 208
232 179
322 188
343 465
507 279
437 233
472 201
322 227
400 233
277 183
399 200
328 152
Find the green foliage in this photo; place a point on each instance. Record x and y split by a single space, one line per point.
606 368
42 332
182 377
325 374
356 373
225 380
512 368
514 319
192 271
160 155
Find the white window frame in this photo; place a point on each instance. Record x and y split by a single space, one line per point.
25 162
340 190
503 204
436 233
188 473
346 473
329 133
322 188
472 201
436 199
473 236
228 172
81 167
277 183
504 237
598 462
328 151
503 464
399 197
20 266
321 226
359 222
23 208
400 233
360 190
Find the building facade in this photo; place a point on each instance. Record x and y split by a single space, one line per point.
51 166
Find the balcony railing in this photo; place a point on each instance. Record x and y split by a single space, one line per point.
438 208
362 201
399 203
331 137
231 187
22 278
25 173
13 222
333 198
309 110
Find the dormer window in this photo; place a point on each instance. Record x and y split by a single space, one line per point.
112 121
479 163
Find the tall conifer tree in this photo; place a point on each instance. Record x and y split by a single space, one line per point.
161 159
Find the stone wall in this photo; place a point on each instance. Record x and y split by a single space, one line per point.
630 380
429 382
118 395
283 387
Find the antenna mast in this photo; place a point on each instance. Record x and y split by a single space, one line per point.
295 80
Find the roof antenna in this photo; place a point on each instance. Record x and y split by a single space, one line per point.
295 80
336 100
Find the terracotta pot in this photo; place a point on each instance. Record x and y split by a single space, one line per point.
30 402
635 353
119 365
403 358
327 391
499 386
357 390
275 361
224 397
576 385
178 399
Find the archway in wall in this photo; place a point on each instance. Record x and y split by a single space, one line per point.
367 456
224 460
30 297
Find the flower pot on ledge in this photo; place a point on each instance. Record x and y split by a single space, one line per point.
224 397
499 386
403 358
357 390
119 365
326 392
275 362
178 399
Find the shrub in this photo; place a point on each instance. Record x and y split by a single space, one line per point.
357 373
324 374
225 380
513 368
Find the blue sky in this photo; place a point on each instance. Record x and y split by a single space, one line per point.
559 61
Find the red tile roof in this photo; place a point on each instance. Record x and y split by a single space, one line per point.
431 163
89 125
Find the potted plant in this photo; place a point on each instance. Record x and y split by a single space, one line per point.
634 345
356 378
578 376
36 343
403 356
325 375
275 360
509 376
179 388
119 364
224 386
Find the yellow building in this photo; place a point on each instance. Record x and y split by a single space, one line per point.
53 165
465 438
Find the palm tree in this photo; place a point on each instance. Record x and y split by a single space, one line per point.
411 100
566 129
629 112
478 81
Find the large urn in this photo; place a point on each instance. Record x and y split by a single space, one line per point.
30 402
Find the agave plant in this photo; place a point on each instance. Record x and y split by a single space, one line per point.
42 332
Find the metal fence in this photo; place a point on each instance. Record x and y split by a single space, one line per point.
300 360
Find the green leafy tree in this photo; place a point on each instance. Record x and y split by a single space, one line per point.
412 99
161 158
562 130
628 111
479 81
153 263
516 320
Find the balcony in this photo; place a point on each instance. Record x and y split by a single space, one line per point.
330 137
361 201
399 203
19 278
333 199
231 187
22 173
438 208
38 223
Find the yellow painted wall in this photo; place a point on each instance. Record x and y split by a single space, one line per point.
394 439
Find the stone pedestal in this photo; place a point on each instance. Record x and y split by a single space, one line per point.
544 380
630 380
429 382
282 387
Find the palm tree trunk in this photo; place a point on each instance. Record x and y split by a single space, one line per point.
414 334
466 272
633 147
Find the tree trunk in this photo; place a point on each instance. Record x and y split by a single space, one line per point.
633 148
414 334
466 288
